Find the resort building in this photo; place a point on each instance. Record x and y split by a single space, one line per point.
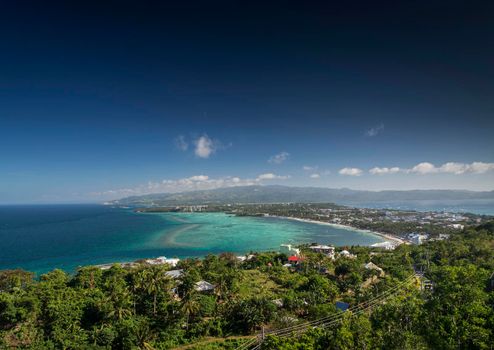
323 249
385 245
163 260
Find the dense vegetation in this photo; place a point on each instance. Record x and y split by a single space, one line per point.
143 308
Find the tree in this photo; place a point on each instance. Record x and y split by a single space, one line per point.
88 277
246 315
458 309
190 306
153 280
15 279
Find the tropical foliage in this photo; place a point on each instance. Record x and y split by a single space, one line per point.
145 308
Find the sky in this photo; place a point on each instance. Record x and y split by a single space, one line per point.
101 100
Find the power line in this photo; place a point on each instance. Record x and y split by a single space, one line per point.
328 321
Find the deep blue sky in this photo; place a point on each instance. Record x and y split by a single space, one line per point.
93 96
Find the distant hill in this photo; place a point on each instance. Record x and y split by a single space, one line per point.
284 194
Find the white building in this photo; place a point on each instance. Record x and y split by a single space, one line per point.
385 245
323 249
457 226
163 260
347 254
289 250
417 238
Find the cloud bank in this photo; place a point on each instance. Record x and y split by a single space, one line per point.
452 168
426 168
192 183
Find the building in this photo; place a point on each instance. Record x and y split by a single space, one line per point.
342 306
294 261
174 273
372 266
289 250
417 238
347 254
385 245
243 258
163 260
457 226
323 249
204 286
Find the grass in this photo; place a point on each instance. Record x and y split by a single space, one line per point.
255 283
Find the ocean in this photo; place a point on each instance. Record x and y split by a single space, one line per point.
43 237
40 238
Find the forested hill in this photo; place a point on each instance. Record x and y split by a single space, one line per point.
284 194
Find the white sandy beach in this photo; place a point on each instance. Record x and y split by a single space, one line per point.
392 239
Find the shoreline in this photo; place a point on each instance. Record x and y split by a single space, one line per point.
389 238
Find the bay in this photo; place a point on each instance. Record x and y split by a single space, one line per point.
43 237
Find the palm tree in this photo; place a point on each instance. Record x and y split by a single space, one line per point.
190 306
118 304
153 280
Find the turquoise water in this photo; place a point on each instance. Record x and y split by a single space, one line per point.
41 238
218 232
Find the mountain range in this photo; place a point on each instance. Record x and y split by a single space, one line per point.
286 194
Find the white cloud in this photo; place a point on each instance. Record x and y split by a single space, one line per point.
423 168
204 146
271 176
309 168
480 167
426 168
383 171
350 171
192 183
375 130
199 178
452 168
315 176
181 143
279 158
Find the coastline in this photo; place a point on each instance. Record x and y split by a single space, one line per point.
389 238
